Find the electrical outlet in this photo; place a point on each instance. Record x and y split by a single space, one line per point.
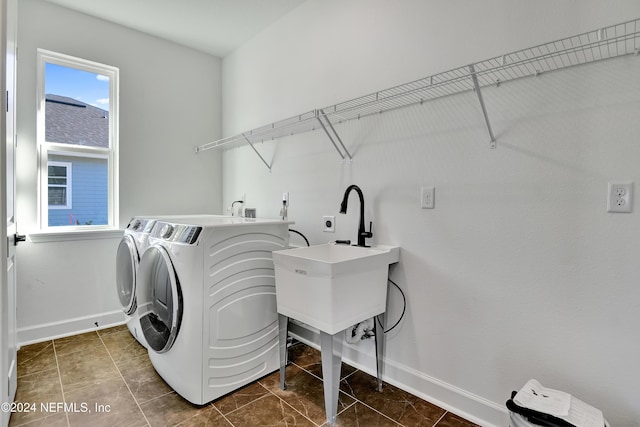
620 197
329 224
427 197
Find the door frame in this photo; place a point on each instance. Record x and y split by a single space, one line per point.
8 344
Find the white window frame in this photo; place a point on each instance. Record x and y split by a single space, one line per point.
68 185
46 148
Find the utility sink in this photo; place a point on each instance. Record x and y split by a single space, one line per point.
332 287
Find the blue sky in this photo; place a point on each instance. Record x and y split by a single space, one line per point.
84 86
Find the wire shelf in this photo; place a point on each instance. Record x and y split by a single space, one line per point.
610 42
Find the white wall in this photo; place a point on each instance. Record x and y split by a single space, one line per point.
169 104
518 272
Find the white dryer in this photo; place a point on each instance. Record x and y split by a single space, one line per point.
207 302
130 249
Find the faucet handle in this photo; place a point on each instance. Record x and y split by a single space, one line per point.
369 234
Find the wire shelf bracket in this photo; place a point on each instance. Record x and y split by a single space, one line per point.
258 153
604 43
476 86
335 134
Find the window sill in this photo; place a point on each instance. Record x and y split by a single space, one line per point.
69 235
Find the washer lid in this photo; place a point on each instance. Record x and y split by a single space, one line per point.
127 259
159 299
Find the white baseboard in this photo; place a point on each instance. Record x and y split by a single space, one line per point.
454 399
65 328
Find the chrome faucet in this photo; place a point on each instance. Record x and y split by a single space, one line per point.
343 210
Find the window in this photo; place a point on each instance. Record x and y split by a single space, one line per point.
78 141
59 177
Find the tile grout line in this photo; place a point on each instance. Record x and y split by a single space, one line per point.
157 397
286 403
39 353
64 400
269 394
282 400
223 415
352 373
240 407
375 410
440 419
195 414
355 399
290 406
33 373
320 378
248 403
123 380
306 370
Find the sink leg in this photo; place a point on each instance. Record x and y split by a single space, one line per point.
283 333
331 351
379 338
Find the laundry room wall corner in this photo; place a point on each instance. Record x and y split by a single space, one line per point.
69 294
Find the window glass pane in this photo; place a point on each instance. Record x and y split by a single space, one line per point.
57 196
76 106
57 175
57 171
86 194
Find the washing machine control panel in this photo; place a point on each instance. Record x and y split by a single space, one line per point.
135 225
166 231
177 233
139 224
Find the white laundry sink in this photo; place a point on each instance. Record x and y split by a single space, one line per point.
332 287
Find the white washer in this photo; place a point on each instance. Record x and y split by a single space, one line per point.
130 249
207 302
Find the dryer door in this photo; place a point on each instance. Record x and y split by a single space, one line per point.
127 259
159 299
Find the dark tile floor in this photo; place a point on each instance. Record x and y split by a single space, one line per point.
104 378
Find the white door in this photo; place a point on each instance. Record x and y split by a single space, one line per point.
8 347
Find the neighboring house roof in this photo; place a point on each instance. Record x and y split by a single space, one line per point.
70 121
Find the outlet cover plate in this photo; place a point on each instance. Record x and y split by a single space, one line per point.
427 197
620 197
329 224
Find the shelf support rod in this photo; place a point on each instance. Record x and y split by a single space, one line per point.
476 85
336 135
257 152
331 137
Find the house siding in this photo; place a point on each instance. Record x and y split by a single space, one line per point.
89 193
